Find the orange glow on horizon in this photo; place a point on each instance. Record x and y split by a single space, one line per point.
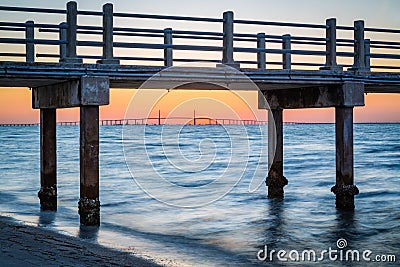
15 107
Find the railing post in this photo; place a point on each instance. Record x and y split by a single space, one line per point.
359 47
261 64
30 44
331 63
227 52
286 56
72 14
63 38
168 59
367 48
108 43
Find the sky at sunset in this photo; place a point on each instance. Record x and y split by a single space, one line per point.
15 103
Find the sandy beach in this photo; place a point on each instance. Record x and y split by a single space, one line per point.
24 245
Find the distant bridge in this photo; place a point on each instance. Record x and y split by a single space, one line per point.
306 74
155 121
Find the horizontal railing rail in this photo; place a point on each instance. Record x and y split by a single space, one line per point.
328 52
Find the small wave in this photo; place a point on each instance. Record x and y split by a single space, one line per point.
378 193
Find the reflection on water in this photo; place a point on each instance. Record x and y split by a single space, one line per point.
234 228
346 226
47 218
88 232
275 222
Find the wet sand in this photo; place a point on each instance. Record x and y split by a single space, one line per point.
24 245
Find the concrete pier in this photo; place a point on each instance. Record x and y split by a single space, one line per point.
88 93
89 204
75 82
48 160
344 98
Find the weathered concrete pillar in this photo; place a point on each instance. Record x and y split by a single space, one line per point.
331 43
286 56
367 48
330 62
227 52
261 59
108 36
30 44
345 190
88 93
275 180
168 56
89 204
48 160
227 40
359 44
72 22
359 48
63 38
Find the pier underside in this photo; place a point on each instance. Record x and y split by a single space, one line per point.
68 81
87 87
89 92
343 98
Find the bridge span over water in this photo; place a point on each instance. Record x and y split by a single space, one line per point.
291 70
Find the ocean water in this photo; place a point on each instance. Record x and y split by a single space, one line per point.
195 195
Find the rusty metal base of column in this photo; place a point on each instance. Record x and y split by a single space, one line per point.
275 186
48 198
345 196
89 211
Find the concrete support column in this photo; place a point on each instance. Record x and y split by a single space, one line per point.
48 160
275 180
89 204
345 190
88 93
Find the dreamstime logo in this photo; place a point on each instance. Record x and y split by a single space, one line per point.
191 166
341 243
331 254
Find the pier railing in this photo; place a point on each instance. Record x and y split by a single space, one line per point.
322 50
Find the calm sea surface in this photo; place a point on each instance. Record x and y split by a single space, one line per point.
195 197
